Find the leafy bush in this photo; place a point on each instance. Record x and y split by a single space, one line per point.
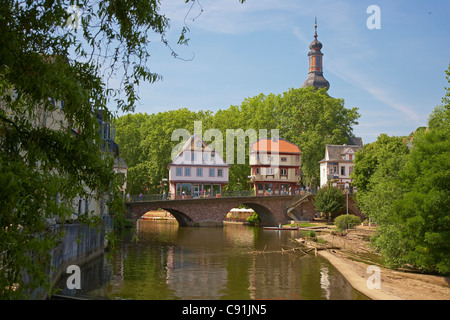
343 222
254 219
329 200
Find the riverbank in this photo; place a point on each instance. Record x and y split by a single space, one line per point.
352 257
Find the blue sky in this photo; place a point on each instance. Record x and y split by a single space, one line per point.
394 75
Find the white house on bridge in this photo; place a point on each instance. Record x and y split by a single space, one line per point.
197 171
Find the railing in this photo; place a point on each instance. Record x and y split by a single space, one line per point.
297 199
224 194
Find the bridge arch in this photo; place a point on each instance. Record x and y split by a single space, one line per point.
266 216
183 219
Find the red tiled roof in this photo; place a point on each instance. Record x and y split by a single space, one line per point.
280 146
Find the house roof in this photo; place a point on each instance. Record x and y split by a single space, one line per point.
191 146
338 152
355 141
277 146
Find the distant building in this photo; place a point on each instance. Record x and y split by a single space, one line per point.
275 166
197 171
338 164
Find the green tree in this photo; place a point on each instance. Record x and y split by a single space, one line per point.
312 119
146 142
329 200
376 176
407 193
44 64
423 211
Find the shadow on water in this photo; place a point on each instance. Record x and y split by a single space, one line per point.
234 262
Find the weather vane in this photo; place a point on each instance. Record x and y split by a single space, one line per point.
315 28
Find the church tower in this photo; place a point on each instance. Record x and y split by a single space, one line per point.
315 74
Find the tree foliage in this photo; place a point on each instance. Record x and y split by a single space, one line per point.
50 153
329 200
407 193
306 117
344 222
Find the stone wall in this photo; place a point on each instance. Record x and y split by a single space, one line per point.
79 245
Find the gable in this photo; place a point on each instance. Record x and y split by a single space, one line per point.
339 152
196 152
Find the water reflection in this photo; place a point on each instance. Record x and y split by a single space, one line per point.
233 262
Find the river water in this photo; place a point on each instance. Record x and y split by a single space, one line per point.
159 260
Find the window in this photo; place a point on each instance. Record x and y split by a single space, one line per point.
284 172
342 171
220 172
297 158
350 157
283 159
269 171
332 170
257 170
213 156
179 171
187 172
212 172
216 189
297 173
199 144
187 189
199 172
260 186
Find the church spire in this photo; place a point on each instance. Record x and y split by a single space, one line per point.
315 74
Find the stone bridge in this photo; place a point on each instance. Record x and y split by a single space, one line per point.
271 210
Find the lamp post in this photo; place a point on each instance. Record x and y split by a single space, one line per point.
346 193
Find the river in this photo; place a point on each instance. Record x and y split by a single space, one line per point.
161 261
